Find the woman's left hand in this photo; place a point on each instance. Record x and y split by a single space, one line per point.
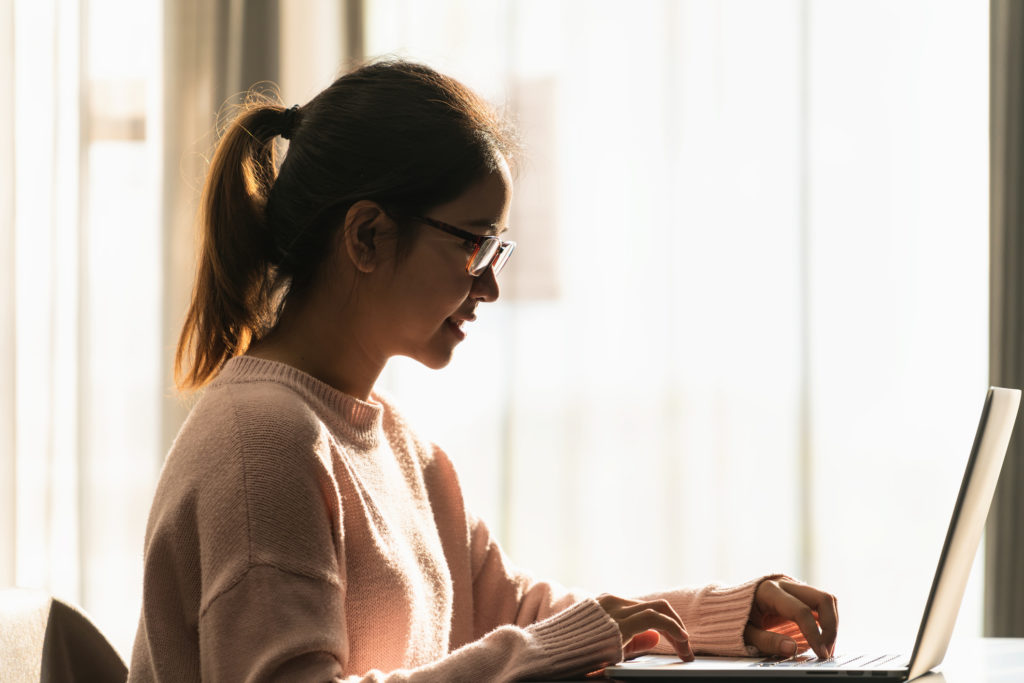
778 601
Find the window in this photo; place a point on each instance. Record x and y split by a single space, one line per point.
87 299
745 328
763 343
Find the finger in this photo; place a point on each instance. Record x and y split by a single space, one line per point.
634 617
671 628
650 619
654 607
610 603
682 648
632 607
769 642
821 602
645 640
790 607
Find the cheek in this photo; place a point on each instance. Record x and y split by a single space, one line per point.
432 290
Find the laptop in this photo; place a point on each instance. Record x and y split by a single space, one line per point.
958 551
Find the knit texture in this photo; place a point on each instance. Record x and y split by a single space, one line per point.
298 533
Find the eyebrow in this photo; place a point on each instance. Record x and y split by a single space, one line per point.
487 223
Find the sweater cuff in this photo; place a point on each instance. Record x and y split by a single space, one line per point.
722 613
578 640
715 616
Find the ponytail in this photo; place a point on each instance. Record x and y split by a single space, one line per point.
233 297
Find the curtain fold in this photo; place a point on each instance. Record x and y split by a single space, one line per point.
8 472
1004 547
214 50
653 326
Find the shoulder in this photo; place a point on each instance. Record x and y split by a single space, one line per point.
246 482
279 439
233 435
249 419
259 439
250 444
268 477
259 403
271 415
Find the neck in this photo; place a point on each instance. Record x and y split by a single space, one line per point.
326 344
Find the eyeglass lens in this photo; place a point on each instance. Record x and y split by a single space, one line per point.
502 258
484 255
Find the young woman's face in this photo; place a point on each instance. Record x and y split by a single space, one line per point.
431 298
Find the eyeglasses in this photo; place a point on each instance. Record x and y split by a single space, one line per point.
488 250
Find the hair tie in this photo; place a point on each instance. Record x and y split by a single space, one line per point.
288 122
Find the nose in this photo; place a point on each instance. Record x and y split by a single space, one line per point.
485 286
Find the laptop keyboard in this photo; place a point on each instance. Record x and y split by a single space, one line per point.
839 662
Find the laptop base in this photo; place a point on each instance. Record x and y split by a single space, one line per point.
804 668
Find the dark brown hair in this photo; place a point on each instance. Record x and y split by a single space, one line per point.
394 132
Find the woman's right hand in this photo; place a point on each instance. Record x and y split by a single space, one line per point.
642 623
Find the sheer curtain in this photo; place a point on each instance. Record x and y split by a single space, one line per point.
745 329
113 113
81 300
213 53
8 468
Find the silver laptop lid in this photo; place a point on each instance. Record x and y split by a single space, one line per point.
965 528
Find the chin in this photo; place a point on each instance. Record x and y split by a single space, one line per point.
437 364
433 359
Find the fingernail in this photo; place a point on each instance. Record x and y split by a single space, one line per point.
788 647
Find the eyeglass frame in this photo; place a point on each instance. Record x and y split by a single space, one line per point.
477 240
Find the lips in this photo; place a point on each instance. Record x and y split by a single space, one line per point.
456 322
455 327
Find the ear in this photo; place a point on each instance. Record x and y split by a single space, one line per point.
363 232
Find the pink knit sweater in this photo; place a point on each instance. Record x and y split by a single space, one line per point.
298 533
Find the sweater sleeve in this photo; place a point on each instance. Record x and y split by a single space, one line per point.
279 626
493 596
715 617
505 594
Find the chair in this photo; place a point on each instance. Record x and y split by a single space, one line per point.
47 640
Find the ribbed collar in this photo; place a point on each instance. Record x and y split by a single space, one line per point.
360 420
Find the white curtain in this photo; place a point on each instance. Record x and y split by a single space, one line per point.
113 117
8 471
83 301
745 330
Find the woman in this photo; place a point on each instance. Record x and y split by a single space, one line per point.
301 530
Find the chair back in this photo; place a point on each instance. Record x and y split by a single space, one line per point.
51 641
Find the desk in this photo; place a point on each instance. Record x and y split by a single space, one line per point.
979 660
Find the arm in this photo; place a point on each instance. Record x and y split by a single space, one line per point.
715 616
769 615
494 592
489 591
274 625
288 612
503 593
